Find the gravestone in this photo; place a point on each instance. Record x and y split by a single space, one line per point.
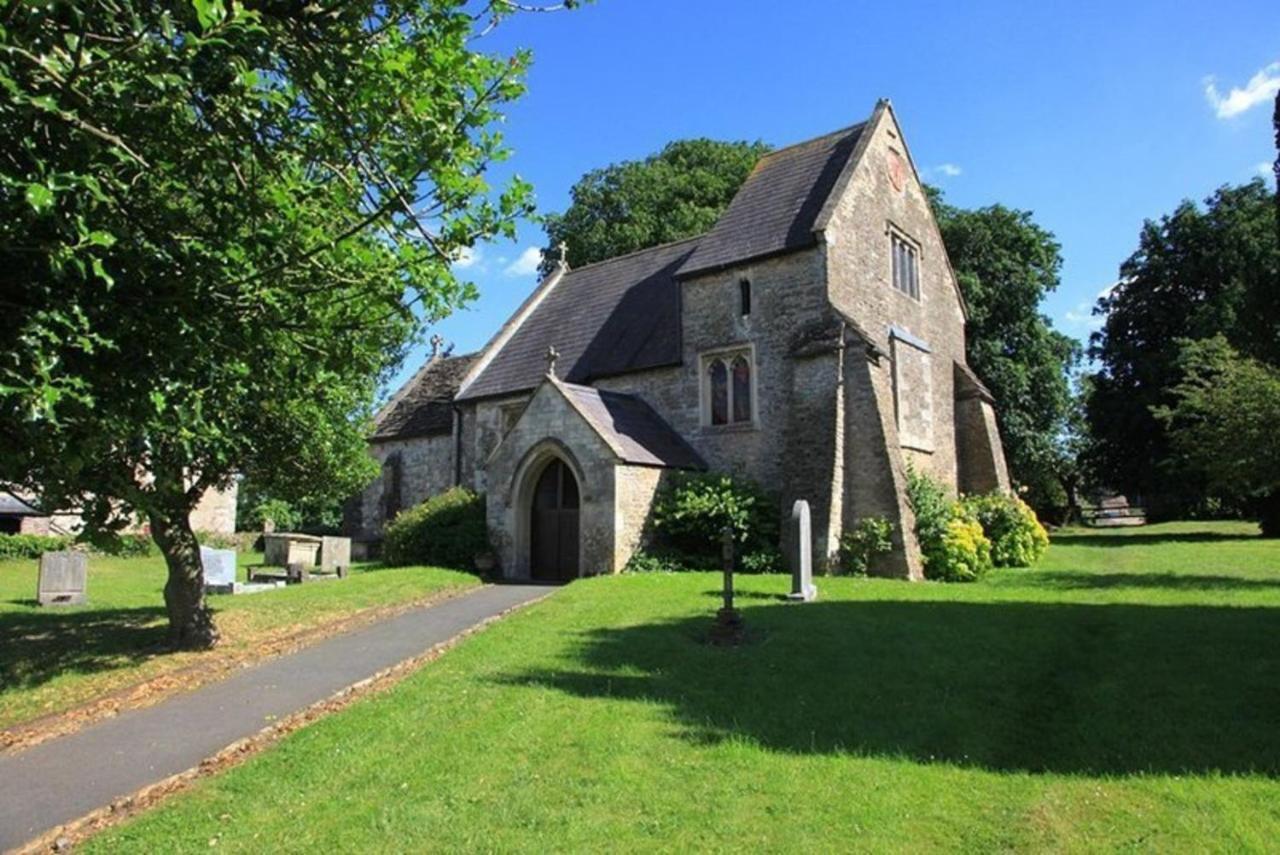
63 579
801 557
219 568
335 555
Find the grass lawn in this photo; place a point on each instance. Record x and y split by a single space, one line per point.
53 659
1123 694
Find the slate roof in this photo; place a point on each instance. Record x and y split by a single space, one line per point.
632 428
623 314
11 505
776 209
607 318
424 407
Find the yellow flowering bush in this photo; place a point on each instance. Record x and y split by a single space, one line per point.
964 552
951 539
1017 537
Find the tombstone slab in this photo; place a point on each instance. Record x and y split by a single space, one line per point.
63 579
801 557
283 549
219 569
335 555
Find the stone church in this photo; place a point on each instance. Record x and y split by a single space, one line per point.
813 340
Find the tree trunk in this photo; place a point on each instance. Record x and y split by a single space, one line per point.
190 621
1269 514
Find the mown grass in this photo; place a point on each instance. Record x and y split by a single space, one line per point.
1123 694
54 659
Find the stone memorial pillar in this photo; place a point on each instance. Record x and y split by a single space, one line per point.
801 557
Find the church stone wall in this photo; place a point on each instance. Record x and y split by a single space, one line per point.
860 273
635 488
551 427
426 468
787 293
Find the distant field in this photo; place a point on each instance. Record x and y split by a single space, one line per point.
53 659
1125 694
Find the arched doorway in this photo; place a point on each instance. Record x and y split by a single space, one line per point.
553 524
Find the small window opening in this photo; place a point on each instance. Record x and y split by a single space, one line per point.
744 297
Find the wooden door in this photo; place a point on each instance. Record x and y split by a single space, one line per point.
554 524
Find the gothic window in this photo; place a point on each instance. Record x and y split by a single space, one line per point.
741 389
744 297
906 266
718 378
391 499
728 389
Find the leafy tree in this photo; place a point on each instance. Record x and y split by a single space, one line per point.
1222 425
1197 273
221 225
1006 264
677 193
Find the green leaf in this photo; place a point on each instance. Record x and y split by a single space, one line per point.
39 197
101 273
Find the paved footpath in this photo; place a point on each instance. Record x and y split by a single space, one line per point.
63 779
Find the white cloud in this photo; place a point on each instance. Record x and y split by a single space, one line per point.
949 169
1082 318
1261 88
526 263
1266 169
467 257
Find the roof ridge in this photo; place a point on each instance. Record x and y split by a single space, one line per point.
839 132
657 246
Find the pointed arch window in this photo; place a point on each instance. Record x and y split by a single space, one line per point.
728 388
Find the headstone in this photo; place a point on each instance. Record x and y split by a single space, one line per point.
63 578
802 589
335 555
297 573
219 568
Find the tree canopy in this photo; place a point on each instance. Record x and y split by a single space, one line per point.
1221 425
222 224
1198 272
677 193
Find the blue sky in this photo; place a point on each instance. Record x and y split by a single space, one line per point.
1093 119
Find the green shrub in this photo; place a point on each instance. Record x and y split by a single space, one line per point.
952 544
30 545
127 546
447 530
690 514
643 561
1017 538
218 540
767 560
870 538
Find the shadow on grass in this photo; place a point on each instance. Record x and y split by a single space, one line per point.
1115 689
37 647
1067 580
1130 537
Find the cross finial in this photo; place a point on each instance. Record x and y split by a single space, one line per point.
552 356
562 253
437 341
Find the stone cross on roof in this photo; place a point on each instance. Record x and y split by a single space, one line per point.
437 341
552 356
562 254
